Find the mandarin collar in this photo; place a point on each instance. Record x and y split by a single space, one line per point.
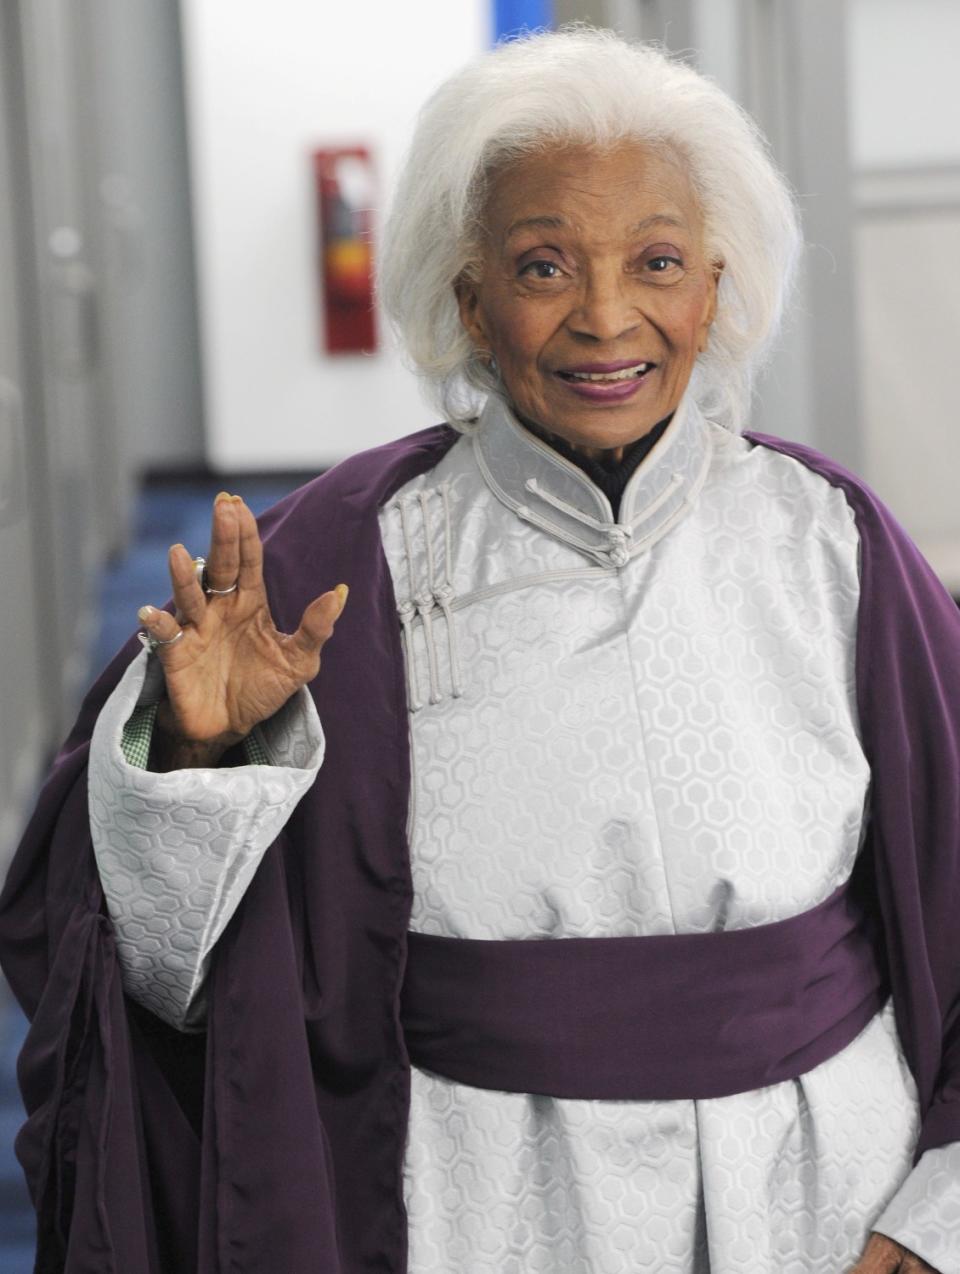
546 489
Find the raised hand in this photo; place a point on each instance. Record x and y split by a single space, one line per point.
231 668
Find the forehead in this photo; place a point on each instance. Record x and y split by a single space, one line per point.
592 191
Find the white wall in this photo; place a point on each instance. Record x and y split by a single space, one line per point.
265 86
904 85
905 131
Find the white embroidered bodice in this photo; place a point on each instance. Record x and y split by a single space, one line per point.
623 727
655 732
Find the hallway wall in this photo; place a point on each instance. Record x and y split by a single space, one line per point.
261 97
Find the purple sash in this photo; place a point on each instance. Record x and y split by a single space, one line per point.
650 1018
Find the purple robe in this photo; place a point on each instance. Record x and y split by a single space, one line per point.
275 1140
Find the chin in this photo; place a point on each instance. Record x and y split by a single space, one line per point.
603 427
606 433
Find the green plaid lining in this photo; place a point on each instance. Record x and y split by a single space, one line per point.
138 732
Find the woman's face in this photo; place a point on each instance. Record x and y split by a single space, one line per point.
594 294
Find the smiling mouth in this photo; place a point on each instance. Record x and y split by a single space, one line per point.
631 372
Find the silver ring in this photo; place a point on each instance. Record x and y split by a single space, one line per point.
200 566
152 643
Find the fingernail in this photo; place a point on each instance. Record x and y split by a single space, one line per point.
237 499
145 613
341 591
222 495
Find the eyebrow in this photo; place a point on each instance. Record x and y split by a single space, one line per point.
536 223
662 219
547 222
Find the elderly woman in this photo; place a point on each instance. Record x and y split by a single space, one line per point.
590 910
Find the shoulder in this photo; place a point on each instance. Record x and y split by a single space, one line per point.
783 485
327 530
872 515
891 563
358 485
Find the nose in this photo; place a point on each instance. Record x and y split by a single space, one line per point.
606 308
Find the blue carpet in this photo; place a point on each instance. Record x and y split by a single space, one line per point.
166 512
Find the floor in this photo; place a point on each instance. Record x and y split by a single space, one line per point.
166 512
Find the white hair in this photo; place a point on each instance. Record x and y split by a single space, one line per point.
585 86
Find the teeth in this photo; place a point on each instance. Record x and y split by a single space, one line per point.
625 374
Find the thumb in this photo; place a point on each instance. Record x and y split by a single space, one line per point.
316 624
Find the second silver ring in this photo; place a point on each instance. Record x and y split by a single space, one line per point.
200 566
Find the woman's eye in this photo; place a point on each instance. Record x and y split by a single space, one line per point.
541 269
660 264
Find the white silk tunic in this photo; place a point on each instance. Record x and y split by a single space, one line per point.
623 727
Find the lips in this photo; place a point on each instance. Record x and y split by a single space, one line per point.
599 372
606 382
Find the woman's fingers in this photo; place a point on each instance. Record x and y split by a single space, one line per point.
250 574
318 620
913 1264
163 628
187 593
885 1256
223 559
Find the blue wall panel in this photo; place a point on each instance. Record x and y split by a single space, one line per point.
513 16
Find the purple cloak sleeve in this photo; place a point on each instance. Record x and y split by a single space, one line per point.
908 694
101 1101
274 1140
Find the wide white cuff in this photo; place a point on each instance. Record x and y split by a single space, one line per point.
924 1214
176 851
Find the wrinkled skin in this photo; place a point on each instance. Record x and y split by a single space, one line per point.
591 256
232 668
883 1256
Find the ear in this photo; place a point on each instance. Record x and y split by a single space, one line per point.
710 312
468 303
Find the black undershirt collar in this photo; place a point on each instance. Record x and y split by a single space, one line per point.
610 475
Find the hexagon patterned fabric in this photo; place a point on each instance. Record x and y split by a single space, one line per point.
668 745
630 726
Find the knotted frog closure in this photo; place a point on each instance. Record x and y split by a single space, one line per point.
525 472
429 571
620 544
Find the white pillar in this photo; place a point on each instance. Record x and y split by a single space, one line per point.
794 82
